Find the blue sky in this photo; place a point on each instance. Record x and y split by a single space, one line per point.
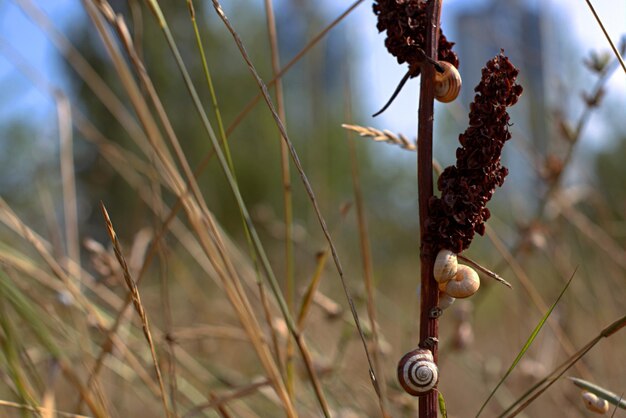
379 72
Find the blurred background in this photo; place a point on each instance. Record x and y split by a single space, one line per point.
561 210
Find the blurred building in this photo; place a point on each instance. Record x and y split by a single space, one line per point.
516 27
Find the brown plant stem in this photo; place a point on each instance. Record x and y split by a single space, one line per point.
429 327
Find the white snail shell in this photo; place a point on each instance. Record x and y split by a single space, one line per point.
465 283
445 300
594 403
417 372
455 280
447 84
445 266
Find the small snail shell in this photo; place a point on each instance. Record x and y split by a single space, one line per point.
445 300
594 403
417 372
445 266
447 84
464 284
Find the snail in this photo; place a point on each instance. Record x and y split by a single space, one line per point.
417 372
447 84
445 267
594 403
445 300
456 280
464 284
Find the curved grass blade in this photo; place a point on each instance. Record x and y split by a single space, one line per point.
442 405
527 345
607 395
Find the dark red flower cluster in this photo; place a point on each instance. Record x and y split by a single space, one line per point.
467 186
405 22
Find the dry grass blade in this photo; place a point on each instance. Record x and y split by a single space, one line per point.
290 64
70 209
42 410
217 401
309 191
132 287
286 183
307 299
485 270
536 390
368 276
382 136
49 398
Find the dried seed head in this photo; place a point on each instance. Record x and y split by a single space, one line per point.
467 186
405 23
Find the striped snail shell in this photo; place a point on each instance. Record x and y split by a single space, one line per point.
595 403
447 84
417 372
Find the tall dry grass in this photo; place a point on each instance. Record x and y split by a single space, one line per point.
238 328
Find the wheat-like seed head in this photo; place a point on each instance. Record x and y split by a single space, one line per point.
382 136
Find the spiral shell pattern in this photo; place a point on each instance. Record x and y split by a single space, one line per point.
417 372
447 84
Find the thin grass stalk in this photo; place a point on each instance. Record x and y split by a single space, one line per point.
165 296
84 392
203 164
222 160
132 287
273 334
597 235
306 183
205 221
538 388
535 296
118 23
70 210
606 34
48 401
290 286
429 325
596 94
572 138
234 188
145 117
177 227
136 364
209 80
226 150
307 299
185 359
526 346
366 258
70 204
40 410
235 292
237 394
53 229
32 318
252 103
10 219
9 342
